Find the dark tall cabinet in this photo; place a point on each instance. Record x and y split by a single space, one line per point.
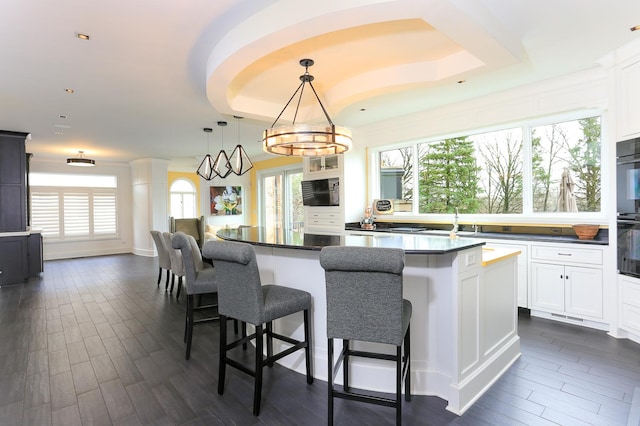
20 250
13 182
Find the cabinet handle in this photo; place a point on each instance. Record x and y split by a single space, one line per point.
564 254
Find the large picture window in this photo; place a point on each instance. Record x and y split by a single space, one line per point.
69 207
551 168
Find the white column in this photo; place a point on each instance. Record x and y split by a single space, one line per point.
149 179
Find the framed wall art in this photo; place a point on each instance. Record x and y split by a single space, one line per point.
225 200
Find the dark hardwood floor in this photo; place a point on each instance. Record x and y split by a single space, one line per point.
94 341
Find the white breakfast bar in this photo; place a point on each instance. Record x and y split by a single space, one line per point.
464 332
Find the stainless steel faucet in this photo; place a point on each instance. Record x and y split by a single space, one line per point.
455 223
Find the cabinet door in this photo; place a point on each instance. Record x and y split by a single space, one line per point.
13 193
547 287
319 165
628 115
13 260
36 265
583 291
12 161
316 164
13 208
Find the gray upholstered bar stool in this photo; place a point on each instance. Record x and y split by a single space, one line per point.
164 262
242 296
200 280
364 303
177 265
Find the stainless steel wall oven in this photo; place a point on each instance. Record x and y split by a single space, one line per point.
628 206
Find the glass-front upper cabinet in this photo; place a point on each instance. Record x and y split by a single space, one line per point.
323 164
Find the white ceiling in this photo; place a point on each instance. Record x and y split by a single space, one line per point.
154 73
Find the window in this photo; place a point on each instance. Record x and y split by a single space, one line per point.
571 150
281 203
183 199
551 168
68 207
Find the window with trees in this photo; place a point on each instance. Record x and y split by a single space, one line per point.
554 167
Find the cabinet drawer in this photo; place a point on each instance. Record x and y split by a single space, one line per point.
324 216
631 293
324 222
560 254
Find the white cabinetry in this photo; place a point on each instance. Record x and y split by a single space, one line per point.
325 219
628 93
329 164
566 281
630 306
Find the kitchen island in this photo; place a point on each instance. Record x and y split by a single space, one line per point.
464 323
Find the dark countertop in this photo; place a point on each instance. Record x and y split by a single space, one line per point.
411 243
494 232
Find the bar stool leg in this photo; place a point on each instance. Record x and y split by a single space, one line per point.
399 385
189 324
407 356
222 364
330 380
269 343
345 365
179 287
307 349
257 390
159 275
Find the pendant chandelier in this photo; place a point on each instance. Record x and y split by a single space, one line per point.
221 165
205 170
80 161
239 160
306 139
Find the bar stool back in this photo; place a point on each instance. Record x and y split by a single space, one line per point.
242 296
164 262
364 302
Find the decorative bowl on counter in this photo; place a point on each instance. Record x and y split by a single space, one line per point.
585 231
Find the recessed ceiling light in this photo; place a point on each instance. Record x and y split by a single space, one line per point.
69 90
83 36
462 81
62 116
